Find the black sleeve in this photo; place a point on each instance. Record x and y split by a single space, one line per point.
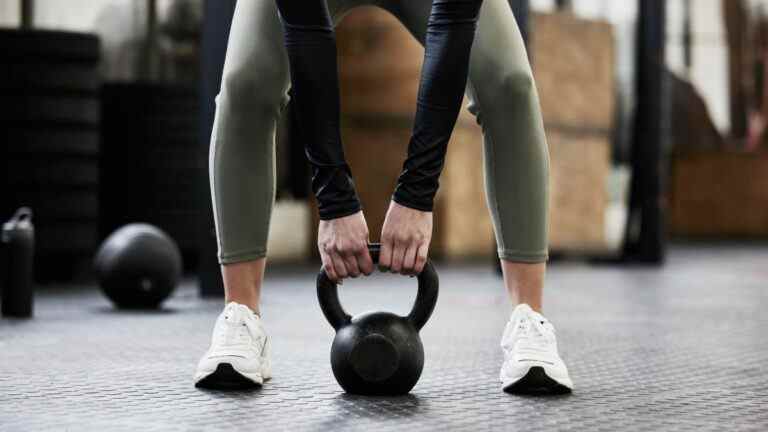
311 45
449 38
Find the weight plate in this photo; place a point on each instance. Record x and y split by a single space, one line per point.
60 172
45 108
50 141
33 44
49 76
151 101
180 225
66 237
52 205
63 266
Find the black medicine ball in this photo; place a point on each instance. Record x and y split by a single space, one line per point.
138 266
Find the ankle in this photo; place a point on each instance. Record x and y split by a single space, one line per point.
242 283
250 303
524 283
535 305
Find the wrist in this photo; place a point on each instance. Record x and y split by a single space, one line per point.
337 212
423 206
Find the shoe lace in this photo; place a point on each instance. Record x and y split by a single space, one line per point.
239 329
533 334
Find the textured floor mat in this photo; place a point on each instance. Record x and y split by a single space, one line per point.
683 348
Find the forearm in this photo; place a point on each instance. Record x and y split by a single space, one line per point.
449 38
311 45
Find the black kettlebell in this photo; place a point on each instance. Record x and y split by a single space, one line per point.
378 353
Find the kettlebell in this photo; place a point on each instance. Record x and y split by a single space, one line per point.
378 353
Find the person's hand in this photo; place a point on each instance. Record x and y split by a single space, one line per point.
343 246
405 240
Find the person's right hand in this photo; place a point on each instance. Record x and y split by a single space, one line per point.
343 247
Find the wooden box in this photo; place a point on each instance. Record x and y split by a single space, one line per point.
719 194
573 62
380 64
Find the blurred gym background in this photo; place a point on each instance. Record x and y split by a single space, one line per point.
655 113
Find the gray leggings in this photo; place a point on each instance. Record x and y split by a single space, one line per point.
254 91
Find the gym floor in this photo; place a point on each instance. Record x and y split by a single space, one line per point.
680 348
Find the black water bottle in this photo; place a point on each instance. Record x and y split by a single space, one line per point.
18 244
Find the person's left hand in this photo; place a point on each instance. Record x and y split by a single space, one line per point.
405 239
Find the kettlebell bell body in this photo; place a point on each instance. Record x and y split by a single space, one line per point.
378 353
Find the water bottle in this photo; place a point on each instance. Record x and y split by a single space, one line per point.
18 244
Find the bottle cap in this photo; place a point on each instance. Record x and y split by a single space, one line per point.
21 220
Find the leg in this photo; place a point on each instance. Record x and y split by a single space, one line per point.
242 168
506 103
242 157
504 99
242 176
524 282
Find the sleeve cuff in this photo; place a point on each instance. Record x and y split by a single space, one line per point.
337 213
421 206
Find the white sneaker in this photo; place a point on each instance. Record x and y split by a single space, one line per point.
531 362
239 354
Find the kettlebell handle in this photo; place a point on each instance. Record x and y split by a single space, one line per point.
426 297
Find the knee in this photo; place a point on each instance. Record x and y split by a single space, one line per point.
502 91
253 87
516 84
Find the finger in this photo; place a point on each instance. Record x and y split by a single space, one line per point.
409 259
338 265
385 254
398 254
421 258
351 263
328 267
365 262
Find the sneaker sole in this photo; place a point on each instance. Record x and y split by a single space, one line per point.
536 382
225 377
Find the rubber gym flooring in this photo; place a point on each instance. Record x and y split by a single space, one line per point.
681 348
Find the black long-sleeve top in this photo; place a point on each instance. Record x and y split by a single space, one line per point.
311 47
